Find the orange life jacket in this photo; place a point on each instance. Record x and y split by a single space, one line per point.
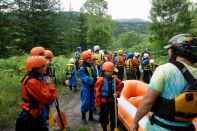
35 94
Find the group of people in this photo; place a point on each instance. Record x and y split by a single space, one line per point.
101 74
136 66
166 82
38 91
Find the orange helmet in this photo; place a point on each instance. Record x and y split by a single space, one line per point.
94 57
35 61
86 54
48 54
108 66
37 51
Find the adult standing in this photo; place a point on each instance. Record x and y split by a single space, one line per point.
166 84
88 78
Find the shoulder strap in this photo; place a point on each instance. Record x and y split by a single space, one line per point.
187 75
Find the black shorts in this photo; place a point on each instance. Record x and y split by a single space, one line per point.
25 122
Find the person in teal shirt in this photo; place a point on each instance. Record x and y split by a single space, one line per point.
168 82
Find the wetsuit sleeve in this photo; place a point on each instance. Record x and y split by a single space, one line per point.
84 77
119 86
98 86
52 91
39 90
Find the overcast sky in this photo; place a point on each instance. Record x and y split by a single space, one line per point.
119 8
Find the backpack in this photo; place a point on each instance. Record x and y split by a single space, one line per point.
184 106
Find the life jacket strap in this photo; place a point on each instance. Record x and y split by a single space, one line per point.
153 120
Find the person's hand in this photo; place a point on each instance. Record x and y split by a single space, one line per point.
49 80
97 109
115 95
95 79
134 127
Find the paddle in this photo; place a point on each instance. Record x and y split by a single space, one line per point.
61 117
51 119
116 118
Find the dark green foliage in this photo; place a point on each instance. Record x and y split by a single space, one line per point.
169 17
193 29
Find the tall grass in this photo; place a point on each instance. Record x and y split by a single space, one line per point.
12 71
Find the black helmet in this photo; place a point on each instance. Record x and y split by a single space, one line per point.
183 41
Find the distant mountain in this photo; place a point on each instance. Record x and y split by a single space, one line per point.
126 25
132 20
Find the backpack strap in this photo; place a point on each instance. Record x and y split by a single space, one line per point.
187 75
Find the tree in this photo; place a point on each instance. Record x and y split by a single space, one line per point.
100 27
169 17
95 7
7 25
36 23
83 29
193 29
129 39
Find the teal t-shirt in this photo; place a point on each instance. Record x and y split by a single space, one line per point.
169 81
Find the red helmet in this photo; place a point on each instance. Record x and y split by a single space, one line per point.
86 54
48 54
37 51
108 66
35 61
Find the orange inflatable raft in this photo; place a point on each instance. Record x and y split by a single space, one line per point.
129 101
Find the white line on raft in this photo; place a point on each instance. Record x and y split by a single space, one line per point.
131 110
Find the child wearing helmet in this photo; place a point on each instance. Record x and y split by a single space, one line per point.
145 67
77 57
120 64
137 59
105 95
40 51
50 68
100 57
152 66
71 74
131 66
37 51
95 65
37 92
87 75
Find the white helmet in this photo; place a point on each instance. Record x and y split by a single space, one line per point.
152 61
136 54
146 55
72 61
96 47
101 52
89 50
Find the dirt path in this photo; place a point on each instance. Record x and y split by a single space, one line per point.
70 104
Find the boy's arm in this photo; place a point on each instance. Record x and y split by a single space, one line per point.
98 86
